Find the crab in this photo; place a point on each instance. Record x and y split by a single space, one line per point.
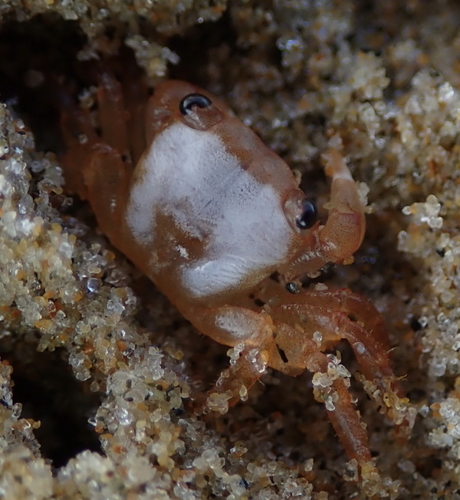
199 204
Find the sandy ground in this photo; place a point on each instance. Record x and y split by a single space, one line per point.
84 338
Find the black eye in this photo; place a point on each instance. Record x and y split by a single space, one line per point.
292 287
308 216
187 103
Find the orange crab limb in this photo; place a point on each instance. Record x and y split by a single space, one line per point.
344 230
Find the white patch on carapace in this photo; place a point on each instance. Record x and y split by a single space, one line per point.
190 176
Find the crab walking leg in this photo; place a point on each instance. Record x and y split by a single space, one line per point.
74 122
77 133
347 424
373 360
92 164
333 391
250 334
375 365
135 97
112 114
356 307
234 383
264 343
107 168
332 326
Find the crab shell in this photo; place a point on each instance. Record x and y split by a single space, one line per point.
214 205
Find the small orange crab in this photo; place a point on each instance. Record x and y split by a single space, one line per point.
200 205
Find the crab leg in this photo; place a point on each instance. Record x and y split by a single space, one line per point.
91 164
112 114
261 344
356 307
77 133
74 121
234 383
135 97
332 326
376 368
348 425
333 391
250 334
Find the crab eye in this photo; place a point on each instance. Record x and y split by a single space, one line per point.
191 100
292 287
308 216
